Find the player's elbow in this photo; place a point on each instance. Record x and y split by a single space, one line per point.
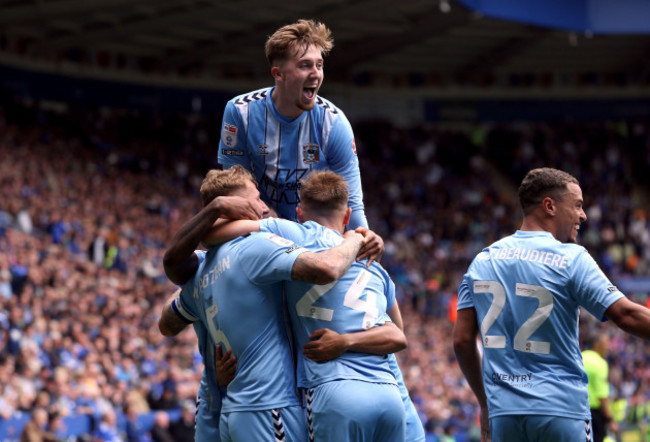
400 343
165 330
170 265
325 274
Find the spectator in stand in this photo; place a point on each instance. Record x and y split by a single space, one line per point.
36 429
182 430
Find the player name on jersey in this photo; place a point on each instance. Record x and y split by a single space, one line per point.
531 255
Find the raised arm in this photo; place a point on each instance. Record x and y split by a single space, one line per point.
226 230
329 265
630 317
179 261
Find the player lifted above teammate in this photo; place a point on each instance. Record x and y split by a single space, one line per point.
281 133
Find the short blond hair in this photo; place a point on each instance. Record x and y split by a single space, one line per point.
302 34
224 182
324 192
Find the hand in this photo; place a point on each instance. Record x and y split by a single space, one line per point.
226 366
324 346
354 234
373 246
613 426
485 426
237 207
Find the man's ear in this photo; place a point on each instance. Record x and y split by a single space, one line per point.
299 215
346 218
276 73
548 204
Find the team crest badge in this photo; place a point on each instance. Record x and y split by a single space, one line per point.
229 135
263 149
310 153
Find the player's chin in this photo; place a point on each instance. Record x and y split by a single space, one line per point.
306 105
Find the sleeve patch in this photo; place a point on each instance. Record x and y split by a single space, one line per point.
229 135
278 240
293 248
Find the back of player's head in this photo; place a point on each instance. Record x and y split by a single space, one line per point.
540 183
324 192
224 182
300 35
597 339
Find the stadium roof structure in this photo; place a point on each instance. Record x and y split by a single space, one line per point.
407 44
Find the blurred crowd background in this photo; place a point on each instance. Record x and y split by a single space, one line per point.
90 197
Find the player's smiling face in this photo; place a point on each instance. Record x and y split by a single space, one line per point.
298 80
570 214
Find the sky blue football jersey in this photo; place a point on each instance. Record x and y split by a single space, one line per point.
356 302
281 151
237 295
209 391
527 289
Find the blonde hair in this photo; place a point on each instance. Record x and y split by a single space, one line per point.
302 34
224 182
324 192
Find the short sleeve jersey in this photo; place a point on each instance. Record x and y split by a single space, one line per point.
527 289
356 302
208 387
281 151
237 295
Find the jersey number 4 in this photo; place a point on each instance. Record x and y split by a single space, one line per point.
521 342
305 306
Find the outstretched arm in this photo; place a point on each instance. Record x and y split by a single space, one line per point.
630 317
179 261
329 265
327 344
469 360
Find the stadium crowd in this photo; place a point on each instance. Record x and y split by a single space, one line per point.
89 198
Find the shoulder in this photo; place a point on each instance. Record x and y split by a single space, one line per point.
254 240
245 99
328 106
576 254
377 269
